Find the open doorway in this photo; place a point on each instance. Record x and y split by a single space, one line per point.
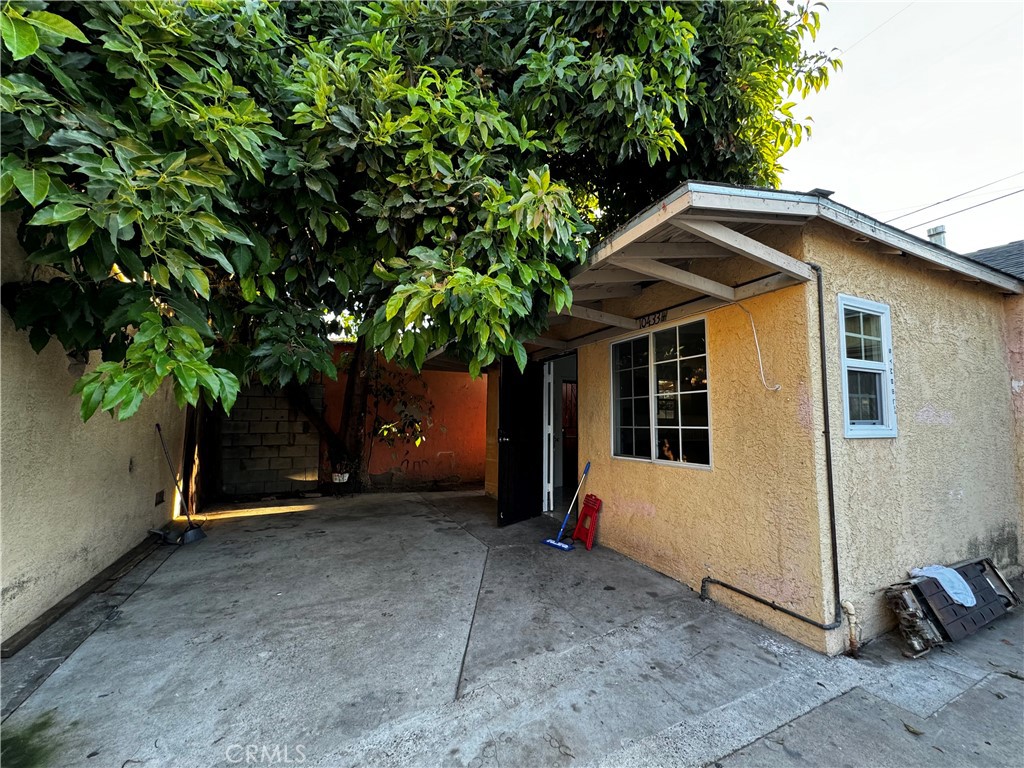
561 447
521 424
536 438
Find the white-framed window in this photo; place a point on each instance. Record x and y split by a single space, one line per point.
660 408
865 342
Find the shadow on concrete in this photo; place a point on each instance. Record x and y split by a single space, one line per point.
406 629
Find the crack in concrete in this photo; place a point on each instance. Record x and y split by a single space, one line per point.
472 621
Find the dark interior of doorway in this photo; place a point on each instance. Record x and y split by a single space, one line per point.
565 440
520 436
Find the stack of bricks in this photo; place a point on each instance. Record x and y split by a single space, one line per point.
267 447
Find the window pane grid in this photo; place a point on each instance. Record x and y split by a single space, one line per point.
864 397
671 381
632 412
863 332
868 401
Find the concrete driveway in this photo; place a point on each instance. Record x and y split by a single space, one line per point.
405 630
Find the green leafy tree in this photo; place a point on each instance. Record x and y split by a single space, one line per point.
212 186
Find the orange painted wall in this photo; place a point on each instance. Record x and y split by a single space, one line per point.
455 449
491 472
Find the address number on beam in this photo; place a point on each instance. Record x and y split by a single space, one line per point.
653 319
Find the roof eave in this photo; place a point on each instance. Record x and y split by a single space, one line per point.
934 254
730 202
645 221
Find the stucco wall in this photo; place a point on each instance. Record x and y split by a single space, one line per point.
753 520
73 497
946 488
1014 335
454 450
491 467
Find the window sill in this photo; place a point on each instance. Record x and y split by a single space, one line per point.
662 463
856 433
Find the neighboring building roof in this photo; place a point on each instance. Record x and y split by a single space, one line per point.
1008 258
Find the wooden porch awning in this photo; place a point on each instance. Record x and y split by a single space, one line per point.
707 242
675 244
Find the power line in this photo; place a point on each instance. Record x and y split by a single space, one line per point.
869 34
971 208
974 196
954 197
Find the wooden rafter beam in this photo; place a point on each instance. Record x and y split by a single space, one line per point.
671 251
682 278
719 234
696 307
642 225
590 338
543 341
605 275
599 292
605 318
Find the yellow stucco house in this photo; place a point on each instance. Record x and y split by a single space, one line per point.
783 401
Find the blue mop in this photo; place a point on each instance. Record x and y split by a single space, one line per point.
557 542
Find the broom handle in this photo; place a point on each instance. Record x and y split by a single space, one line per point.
561 530
170 466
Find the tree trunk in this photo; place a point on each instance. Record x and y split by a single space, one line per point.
353 414
344 447
298 398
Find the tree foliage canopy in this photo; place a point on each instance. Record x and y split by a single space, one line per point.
212 185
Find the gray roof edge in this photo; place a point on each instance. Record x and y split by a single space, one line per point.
764 193
855 220
680 191
999 254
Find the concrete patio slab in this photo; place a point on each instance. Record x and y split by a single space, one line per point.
407 630
982 727
50 649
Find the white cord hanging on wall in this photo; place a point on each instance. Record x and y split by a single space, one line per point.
757 346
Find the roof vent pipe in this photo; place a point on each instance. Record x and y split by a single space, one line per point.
938 235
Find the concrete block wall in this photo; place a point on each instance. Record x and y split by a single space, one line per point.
268 447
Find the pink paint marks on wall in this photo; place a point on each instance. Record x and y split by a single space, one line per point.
1014 334
934 417
1014 330
630 507
804 407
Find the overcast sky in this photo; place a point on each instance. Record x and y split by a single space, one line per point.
930 104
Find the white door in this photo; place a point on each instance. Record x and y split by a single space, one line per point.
549 436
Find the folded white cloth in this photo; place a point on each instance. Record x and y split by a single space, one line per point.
954 584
